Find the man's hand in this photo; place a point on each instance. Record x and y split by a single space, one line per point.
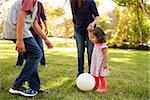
46 31
20 47
48 43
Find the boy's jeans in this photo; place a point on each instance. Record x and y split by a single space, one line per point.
40 43
29 72
82 41
20 59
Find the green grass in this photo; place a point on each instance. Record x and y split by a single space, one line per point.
128 80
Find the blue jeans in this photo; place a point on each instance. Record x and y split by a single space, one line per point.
29 72
82 41
40 43
20 59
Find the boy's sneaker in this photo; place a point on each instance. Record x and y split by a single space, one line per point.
23 91
17 66
44 65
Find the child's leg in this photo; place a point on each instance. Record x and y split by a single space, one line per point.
103 85
20 60
96 82
29 72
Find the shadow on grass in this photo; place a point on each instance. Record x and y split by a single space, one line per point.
60 76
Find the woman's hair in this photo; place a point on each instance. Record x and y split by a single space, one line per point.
100 35
75 4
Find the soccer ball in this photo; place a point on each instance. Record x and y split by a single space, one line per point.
85 82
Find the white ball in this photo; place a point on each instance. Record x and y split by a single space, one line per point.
85 82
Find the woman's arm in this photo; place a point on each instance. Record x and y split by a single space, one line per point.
94 12
91 25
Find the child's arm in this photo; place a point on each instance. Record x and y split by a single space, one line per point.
94 22
90 34
38 30
19 32
104 50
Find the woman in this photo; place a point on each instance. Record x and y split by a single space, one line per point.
85 15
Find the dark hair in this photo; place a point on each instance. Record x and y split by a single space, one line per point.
100 35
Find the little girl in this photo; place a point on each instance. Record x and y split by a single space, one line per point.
99 58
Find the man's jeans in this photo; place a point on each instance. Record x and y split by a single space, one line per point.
82 41
40 43
29 72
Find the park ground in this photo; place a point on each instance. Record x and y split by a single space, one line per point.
128 79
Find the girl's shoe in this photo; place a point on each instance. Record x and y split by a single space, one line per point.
96 82
101 90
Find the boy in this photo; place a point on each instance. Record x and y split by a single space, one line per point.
20 17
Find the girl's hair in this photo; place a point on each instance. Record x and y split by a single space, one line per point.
100 35
75 4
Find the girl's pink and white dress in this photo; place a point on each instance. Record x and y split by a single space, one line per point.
97 68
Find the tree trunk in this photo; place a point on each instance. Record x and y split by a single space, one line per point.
139 24
144 9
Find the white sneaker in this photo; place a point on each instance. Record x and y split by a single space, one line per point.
44 65
17 66
23 91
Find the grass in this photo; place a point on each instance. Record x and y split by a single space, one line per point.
128 80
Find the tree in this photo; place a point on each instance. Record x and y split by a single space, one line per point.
67 28
146 8
53 13
136 8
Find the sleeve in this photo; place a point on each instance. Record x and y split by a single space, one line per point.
94 8
73 19
73 13
42 15
104 46
28 5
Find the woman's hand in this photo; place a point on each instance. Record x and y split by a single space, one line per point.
91 26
